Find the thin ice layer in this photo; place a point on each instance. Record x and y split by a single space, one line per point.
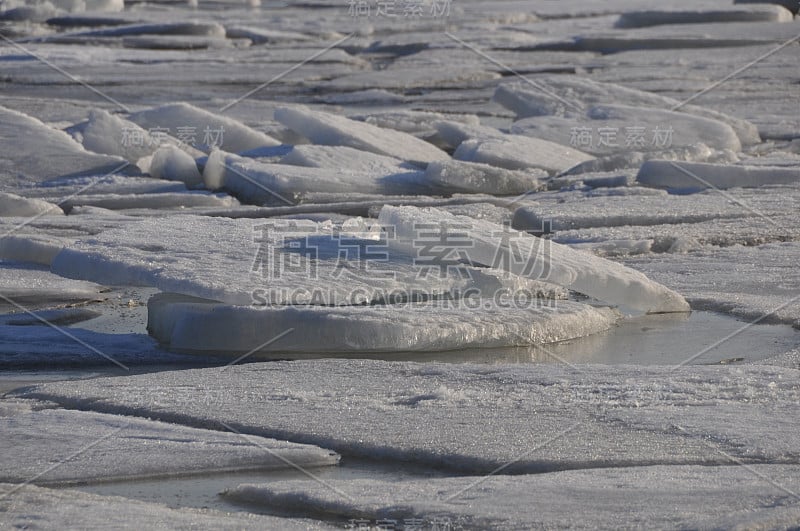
527 255
133 448
475 418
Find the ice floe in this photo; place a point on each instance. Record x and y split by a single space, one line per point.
517 152
686 176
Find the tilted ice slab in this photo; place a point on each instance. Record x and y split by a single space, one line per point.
635 159
280 261
698 176
686 497
533 257
28 506
749 282
517 152
475 418
576 210
202 128
482 178
333 130
452 134
576 94
284 184
174 164
419 327
35 152
420 123
615 128
15 205
344 158
168 200
756 13
133 448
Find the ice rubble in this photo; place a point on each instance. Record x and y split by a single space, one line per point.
30 506
202 128
15 205
685 176
35 152
196 327
139 449
330 129
528 255
516 152
635 159
693 497
475 418
614 128
577 93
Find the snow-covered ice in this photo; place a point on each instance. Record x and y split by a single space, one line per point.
14 205
517 152
133 448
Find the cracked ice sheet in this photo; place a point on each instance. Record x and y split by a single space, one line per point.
683 497
748 282
474 418
129 448
44 508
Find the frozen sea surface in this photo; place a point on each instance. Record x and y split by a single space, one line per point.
484 224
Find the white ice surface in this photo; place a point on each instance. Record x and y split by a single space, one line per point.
334 130
35 152
174 164
474 418
517 152
44 508
15 205
530 256
482 178
697 176
671 497
615 128
418 327
557 95
132 448
343 157
201 125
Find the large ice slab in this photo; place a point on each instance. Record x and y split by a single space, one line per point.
407 327
29 506
517 152
201 128
331 129
475 418
575 94
343 157
530 256
131 448
482 178
614 128
35 152
687 176
282 184
693 497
